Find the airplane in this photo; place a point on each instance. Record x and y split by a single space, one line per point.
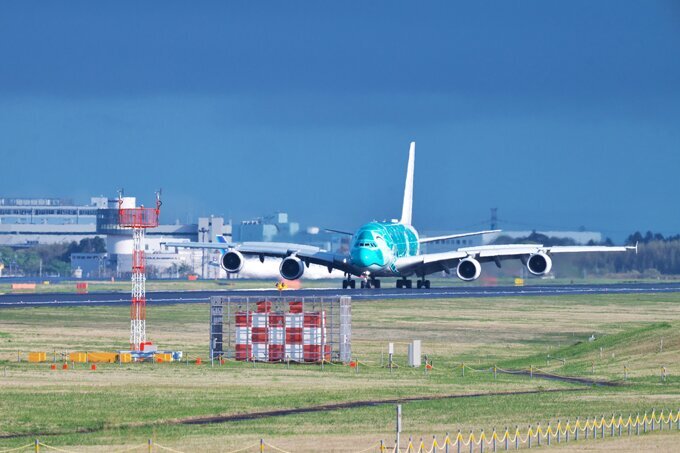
392 249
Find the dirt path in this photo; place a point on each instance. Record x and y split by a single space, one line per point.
213 419
555 377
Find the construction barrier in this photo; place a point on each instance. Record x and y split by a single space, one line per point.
102 357
81 287
78 357
353 363
23 286
37 357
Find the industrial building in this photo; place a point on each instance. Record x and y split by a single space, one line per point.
278 228
27 222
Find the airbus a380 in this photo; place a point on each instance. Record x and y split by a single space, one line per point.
392 249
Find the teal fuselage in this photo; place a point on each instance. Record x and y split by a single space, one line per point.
377 246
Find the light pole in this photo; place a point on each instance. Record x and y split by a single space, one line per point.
203 230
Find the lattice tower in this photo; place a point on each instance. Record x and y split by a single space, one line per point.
138 219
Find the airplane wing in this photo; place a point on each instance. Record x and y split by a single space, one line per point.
430 263
454 236
436 262
307 253
514 250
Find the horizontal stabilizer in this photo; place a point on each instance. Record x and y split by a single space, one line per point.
199 245
347 233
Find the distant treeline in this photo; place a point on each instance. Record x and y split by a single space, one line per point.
657 255
48 259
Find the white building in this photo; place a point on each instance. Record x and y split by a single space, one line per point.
26 222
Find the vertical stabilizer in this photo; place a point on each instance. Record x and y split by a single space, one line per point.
407 208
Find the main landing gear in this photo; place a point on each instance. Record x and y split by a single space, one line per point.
408 284
404 283
350 283
423 283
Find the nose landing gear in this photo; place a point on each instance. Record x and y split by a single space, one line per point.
370 283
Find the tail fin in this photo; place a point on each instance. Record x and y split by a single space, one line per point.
407 208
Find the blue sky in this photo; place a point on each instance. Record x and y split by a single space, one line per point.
560 115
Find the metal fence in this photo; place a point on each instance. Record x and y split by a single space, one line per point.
560 432
532 436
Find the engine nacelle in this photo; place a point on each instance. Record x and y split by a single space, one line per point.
292 268
469 269
232 261
539 264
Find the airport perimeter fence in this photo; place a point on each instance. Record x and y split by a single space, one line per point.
66 357
538 436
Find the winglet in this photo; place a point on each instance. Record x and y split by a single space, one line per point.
407 208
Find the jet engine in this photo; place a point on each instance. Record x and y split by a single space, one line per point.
232 261
292 268
539 263
469 269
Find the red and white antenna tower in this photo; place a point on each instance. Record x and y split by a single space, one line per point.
138 219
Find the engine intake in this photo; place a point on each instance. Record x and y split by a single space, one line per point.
469 269
539 264
292 268
232 261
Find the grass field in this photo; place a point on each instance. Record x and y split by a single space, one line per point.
125 405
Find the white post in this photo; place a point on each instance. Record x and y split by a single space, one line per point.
398 427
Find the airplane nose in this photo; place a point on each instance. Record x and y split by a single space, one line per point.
366 258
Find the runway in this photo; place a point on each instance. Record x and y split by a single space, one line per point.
188 297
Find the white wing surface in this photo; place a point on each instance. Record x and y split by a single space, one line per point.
436 262
307 253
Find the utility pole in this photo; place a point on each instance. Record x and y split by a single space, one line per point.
494 218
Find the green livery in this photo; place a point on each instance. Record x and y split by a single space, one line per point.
376 247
